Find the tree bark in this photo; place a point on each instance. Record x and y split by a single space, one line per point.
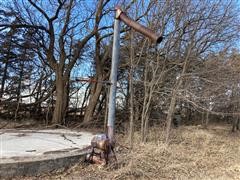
5 69
86 95
62 89
99 60
170 114
94 95
4 79
19 91
174 94
131 94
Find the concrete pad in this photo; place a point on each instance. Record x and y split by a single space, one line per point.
30 152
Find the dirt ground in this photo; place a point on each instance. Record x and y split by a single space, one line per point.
193 153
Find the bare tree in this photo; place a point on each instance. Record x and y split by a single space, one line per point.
59 44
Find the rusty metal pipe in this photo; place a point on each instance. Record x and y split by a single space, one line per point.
138 27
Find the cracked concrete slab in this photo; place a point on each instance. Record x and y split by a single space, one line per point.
40 150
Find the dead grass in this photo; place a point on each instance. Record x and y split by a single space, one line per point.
193 153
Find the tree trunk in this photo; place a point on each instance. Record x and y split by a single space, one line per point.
203 117
101 102
19 91
4 79
94 96
131 104
5 70
38 110
146 104
86 95
206 120
170 114
174 94
62 87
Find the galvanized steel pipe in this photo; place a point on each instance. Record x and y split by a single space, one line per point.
113 81
120 15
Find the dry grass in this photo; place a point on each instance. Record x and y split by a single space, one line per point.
193 153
